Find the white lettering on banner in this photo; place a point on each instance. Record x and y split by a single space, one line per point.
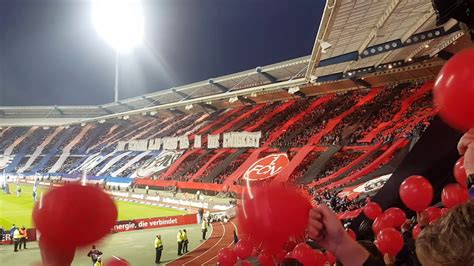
154 144
230 140
183 142
137 196
161 162
241 139
197 141
372 185
153 198
266 167
212 141
118 194
121 146
124 227
139 224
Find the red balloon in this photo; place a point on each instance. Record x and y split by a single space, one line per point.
331 258
416 193
116 261
226 257
246 263
372 210
243 249
351 234
453 195
272 214
397 216
279 256
305 255
416 231
85 212
460 172
381 222
433 213
265 259
454 90
389 241
320 258
290 245
52 254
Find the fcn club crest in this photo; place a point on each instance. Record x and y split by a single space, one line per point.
267 167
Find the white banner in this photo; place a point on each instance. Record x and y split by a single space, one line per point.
197 141
230 140
241 139
161 162
212 141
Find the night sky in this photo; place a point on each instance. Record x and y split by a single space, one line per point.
50 54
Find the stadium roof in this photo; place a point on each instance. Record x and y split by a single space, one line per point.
359 44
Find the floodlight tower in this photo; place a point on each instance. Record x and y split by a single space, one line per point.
121 24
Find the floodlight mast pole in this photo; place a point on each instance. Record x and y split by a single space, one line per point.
116 84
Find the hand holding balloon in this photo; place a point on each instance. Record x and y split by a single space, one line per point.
327 231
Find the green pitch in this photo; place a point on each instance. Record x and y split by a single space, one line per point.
17 210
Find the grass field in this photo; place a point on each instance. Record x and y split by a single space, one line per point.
137 247
17 210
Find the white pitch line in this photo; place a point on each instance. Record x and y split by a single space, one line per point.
210 247
227 246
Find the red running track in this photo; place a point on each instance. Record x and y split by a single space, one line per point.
206 254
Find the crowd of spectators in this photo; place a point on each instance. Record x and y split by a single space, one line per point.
269 107
142 162
10 135
75 130
281 118
180 174
338 161
212 165
336 203
231 168
304 165
228 119
333 109
186 176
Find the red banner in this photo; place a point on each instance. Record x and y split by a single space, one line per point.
140 224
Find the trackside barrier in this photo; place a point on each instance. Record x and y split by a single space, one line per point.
148 223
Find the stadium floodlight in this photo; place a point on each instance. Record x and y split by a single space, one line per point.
121 24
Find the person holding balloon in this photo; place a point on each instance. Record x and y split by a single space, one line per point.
466 148
448 241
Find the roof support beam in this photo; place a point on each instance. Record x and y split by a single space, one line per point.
360 82
183 95
105 110
150 101
323 32
208 106
446 43
176 111
125 105
219 86
418 24
270 78
246 100
59 110
388 12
